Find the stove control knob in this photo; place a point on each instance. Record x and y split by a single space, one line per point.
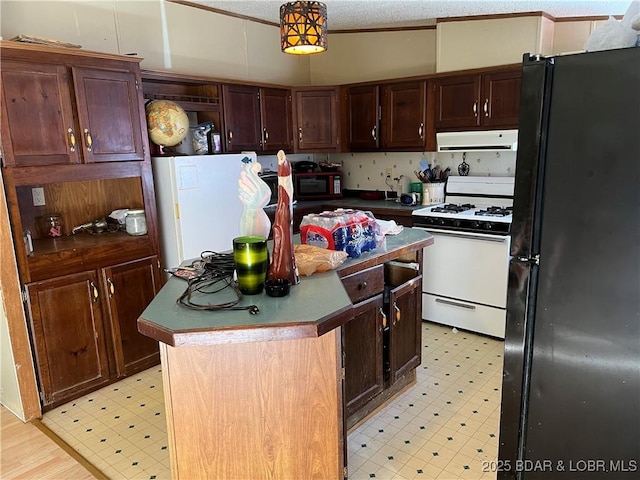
457 223
475 224
488 226
440 221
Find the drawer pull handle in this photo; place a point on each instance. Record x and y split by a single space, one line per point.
72 139
486 107
475 109
398 314
94 292
421 130
229 136
88 139
384 319
300 134
373 133
112 289
455 304
362 286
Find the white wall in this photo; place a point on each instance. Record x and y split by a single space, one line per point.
489 42
361 57
167 35
9 387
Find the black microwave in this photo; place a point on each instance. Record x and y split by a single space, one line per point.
317 185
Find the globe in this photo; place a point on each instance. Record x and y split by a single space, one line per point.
167 122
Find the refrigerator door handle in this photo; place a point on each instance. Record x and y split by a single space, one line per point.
535 260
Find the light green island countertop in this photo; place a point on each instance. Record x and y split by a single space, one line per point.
313 307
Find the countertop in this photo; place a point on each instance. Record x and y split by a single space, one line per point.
315 306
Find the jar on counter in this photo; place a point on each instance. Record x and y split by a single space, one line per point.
50 225
135 222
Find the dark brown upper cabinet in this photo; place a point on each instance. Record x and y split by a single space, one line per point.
489 99
316 120
57 114
277 123
387 117
257 118
363 117
404 115
241 117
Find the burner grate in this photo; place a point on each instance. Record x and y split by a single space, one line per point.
453 208
495 212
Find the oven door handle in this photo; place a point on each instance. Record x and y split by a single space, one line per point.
455 304
474 236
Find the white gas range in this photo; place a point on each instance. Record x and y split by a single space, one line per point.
466 269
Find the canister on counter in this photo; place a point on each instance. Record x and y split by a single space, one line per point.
135 222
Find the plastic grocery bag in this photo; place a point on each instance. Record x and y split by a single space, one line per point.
613 34
310 259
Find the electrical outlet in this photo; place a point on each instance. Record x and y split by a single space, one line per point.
388 172
38 196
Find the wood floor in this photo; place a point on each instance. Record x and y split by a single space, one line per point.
28 453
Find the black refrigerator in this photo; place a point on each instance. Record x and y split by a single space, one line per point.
571 383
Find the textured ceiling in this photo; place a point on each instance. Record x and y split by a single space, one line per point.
365 14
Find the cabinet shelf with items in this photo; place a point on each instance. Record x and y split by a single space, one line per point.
200 97
78 203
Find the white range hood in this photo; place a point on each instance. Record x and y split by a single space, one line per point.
478 141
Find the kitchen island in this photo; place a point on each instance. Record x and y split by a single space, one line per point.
261 396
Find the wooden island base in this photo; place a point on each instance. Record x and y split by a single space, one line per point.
259 410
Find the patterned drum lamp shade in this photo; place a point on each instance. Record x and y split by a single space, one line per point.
303 27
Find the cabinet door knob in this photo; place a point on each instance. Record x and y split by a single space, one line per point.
95 294
112 289
362 286
72 139
486 107
87 138
475 109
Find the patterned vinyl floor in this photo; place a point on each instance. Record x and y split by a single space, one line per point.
445 427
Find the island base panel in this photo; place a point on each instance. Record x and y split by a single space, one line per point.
260 410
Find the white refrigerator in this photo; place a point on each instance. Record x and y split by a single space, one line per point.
198 204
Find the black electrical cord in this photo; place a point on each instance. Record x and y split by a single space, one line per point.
217 275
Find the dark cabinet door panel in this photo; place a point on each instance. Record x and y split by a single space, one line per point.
404 115
68 335
277 131
242 117
362 117
362 340
38 125
405 314
109 116
501 94
130 287
317 120
457 102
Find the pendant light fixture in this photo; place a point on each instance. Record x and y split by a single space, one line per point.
303 27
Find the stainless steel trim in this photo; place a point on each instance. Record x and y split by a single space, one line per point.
455 304
475 236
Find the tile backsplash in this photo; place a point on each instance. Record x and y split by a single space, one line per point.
367 171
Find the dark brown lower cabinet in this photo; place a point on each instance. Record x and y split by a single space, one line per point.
382 343
130 287
84 328
364 356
